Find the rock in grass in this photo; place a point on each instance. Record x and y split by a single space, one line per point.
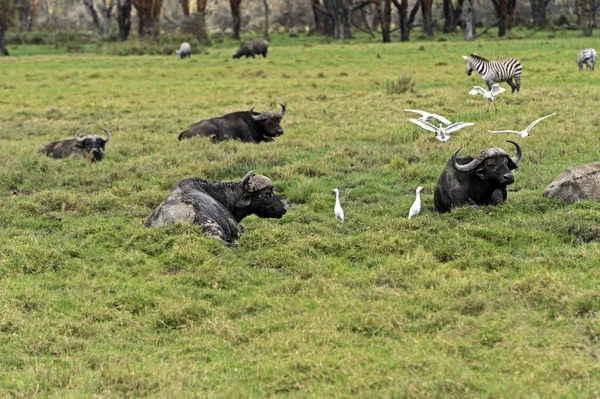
576 183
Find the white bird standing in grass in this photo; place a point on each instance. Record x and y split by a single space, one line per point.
523 133
488 94
339 212
441 132
426 116
416 206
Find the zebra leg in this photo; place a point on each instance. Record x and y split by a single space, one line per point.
489 84
512 85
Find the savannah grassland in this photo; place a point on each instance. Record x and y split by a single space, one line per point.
493 302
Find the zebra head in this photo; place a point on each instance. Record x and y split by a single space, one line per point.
469 68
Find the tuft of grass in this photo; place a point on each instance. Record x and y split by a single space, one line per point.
400 85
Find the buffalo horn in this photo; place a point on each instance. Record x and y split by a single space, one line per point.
490 152
107 135
77 138
257 117
246 178
282 110
517 156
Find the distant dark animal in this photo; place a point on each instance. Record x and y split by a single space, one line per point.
588 57
80 145
576 184
479 181
252 47
246 126
496 71
218 207
185 50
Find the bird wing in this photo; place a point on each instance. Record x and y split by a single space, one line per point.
477 90
441 119
456 126
423 113
497 90
504 131
424 125
536 121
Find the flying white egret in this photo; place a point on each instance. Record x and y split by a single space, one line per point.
339 212
426 116
416 206
523 133
488 94
441 133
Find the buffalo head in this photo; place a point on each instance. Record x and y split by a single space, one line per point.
93 144
492 165
258 197
269 122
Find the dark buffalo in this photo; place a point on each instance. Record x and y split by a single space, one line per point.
246 126
80 145
479 181
218 207
251 47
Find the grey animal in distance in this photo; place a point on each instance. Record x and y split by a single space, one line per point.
476 181
588 57
218 207
252 47
246 126
79 145
184 50
507 70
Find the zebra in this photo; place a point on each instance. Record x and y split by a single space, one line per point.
496 71
587 56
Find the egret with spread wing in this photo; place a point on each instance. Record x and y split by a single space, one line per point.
488 94
426 116
523 133
441 133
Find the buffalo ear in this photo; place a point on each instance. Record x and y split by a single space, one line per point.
244 202
480 173
246 178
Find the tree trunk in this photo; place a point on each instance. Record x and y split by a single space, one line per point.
385 16
89 4
586 14
3 50
469 22
237 20
27 11
538 12
185 7
330 22
266 34
406 22
505 10
106 11
427 18
124 19
289 9
449 22
319 16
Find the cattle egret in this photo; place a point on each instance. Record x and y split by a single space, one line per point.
339 212
488 94
441 132
426 116
523 133
416 206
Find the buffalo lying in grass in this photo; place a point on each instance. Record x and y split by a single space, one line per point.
246 126
476 181
218 207
252 47
79 145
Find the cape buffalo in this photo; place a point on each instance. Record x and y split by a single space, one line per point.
479 181
251 47
218 207
246 126
80 145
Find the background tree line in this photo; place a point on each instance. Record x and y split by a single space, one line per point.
333 18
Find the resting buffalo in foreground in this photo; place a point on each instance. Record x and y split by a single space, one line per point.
251 47
80 145
218 207
246 126
479 181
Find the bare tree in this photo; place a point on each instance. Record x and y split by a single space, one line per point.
106 8
124 18
452 15
469 21
538 12
89 4
585 12
406 20
385 16
237 20
148 16
505 10
426 6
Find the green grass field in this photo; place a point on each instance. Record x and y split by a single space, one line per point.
498 302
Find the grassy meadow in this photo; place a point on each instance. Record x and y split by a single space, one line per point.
496 302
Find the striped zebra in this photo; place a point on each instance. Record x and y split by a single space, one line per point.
587 56
496 71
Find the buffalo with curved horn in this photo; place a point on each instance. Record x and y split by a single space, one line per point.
476 181
79 145
247 126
